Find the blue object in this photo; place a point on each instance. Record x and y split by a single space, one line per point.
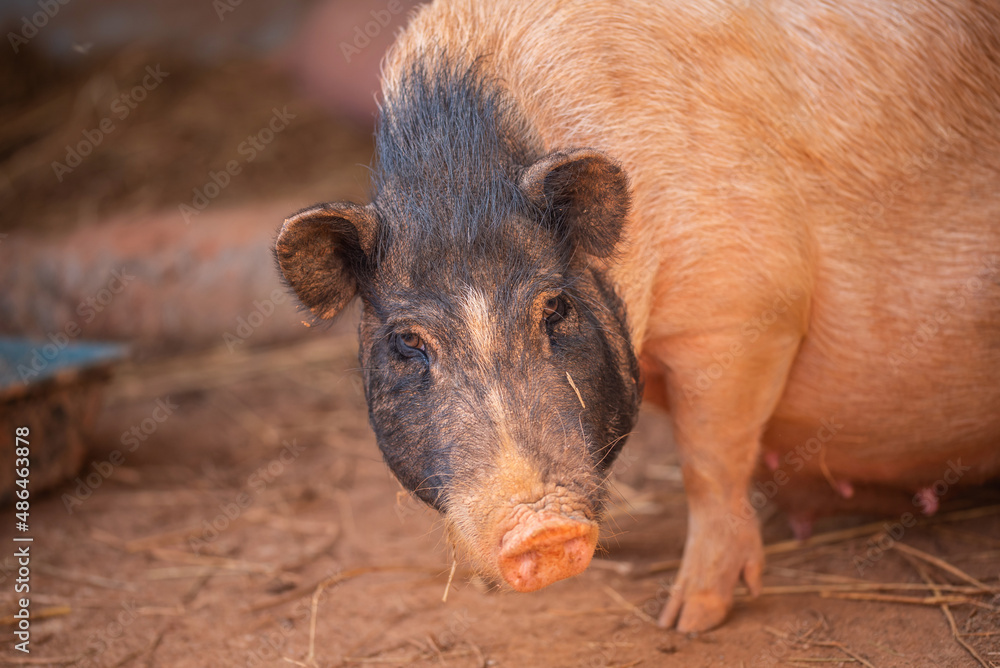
24 362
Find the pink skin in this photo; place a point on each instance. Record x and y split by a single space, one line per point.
737 370
802 526
542 548
772 459
926 500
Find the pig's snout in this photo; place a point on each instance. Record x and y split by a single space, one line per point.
543 547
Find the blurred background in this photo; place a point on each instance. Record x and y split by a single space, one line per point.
148 153
120 119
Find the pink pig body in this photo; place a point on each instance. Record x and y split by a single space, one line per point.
811 265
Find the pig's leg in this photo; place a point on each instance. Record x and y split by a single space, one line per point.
718 426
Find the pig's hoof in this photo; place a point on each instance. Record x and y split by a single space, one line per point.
700 612
703 593
542 548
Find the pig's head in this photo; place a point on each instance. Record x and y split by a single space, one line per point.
500 378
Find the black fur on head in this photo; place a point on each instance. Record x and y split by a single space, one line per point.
490 332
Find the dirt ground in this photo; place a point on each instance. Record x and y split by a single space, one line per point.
234 509
250 522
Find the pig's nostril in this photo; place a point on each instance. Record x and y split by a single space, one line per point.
542 549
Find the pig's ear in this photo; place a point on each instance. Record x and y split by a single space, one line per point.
585 197
322 252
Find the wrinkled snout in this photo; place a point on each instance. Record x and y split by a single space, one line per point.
519 528
544 547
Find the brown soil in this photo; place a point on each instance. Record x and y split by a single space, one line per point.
254 523
259 506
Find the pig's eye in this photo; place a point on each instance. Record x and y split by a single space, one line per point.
410 344
554 310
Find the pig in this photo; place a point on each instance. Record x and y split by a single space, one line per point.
779 221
